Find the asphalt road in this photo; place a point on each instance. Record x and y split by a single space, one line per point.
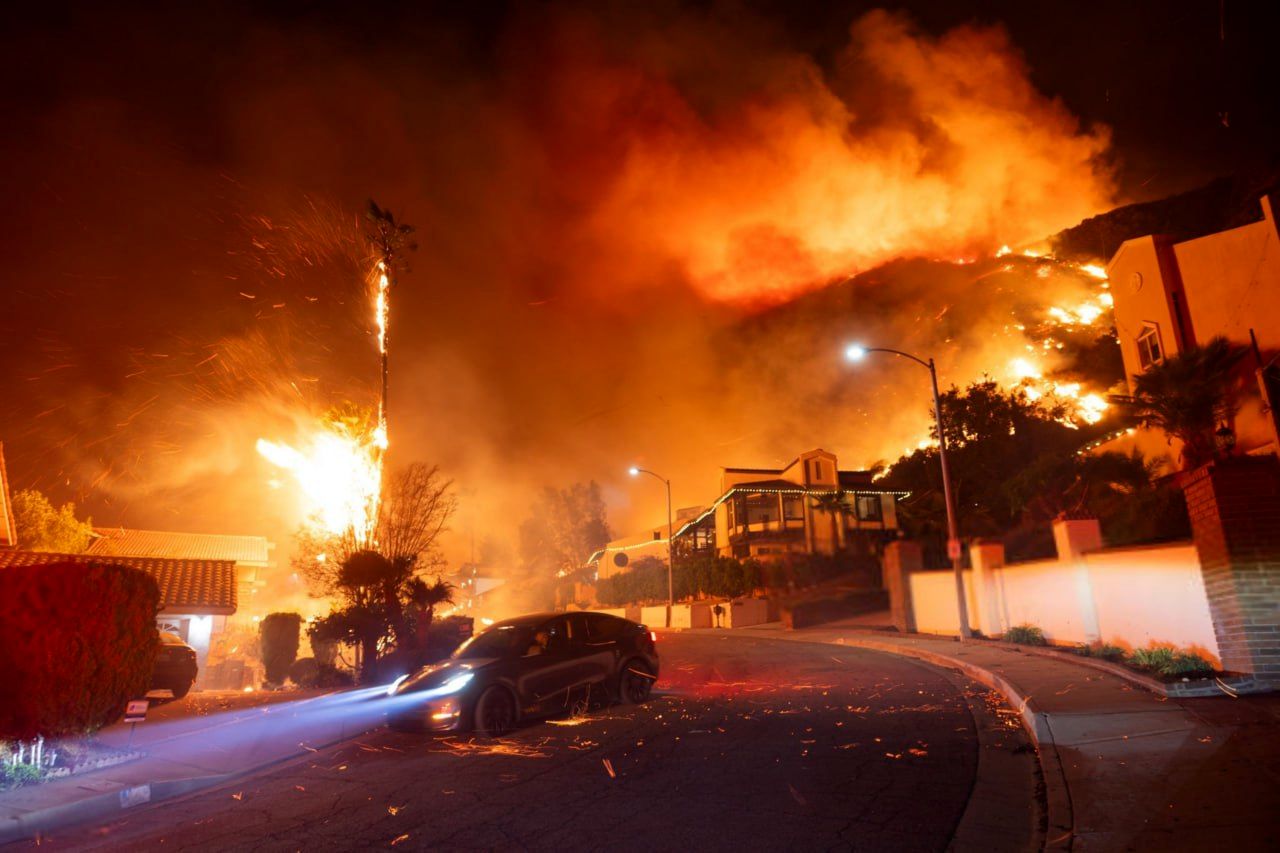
747 744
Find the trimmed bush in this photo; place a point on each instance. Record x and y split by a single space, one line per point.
77 641
304 672
1025 635
280 635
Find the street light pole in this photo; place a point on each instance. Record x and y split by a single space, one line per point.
671 553
854 353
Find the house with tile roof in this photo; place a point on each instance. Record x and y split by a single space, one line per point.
196 596
250 554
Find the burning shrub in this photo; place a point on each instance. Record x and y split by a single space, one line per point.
76 642
280 633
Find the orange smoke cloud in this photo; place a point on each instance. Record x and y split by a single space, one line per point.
914 146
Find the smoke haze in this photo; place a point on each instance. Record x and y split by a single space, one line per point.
617 211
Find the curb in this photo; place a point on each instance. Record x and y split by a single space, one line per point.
1242 684
99 806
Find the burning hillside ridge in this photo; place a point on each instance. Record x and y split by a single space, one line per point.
910 145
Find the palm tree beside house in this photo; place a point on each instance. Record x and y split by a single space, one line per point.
1193 397
836 506
425 598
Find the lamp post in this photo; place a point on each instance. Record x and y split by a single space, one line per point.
857 353
671 553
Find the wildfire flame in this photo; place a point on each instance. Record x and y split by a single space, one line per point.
381 306
340 475
339 467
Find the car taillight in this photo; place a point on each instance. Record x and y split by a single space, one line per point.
653 636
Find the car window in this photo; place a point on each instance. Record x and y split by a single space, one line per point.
603 628
496 642
557 635
578 634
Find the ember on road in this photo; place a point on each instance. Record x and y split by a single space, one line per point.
747 743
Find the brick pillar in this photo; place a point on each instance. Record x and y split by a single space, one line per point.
987 557
901 558
1234 506
1074 536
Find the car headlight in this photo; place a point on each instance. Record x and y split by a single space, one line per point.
395 685
453 685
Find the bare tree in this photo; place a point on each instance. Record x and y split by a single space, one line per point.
416 507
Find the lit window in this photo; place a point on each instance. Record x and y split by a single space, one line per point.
870 508
1149 350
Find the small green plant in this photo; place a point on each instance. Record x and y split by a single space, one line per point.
17 775
1104 651
1025 635
1169 662
1156 658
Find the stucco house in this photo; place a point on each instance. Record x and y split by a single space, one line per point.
1170 296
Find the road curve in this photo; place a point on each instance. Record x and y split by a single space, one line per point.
748 744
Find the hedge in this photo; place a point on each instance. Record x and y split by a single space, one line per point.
725 577
280 635
77 641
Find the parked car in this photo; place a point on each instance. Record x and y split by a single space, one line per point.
529 667
175 668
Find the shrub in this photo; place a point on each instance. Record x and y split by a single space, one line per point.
1169 662
304 672
1025 635
17 775
326 651
1105 651
77 641
280 634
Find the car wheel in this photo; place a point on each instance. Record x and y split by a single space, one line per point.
180 691
495 712
635 682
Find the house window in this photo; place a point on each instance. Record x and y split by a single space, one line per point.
1149 350
793 507
870 508
761 509
815 470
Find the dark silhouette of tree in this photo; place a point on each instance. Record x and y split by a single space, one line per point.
567 526
1190 397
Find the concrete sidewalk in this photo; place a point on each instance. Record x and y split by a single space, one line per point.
1124 769
188 751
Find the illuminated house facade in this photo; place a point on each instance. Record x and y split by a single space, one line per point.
807 507
768 513
1170 296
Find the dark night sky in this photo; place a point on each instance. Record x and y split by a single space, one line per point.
183 180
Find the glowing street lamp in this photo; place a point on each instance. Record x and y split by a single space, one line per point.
671 554
857 352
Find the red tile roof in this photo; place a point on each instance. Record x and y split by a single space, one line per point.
122 542
186 586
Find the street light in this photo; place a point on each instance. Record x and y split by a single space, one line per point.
671 554
857 352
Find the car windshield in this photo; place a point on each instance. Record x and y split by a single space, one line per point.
500 641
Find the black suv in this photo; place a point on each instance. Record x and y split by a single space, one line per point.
175 669
531 666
